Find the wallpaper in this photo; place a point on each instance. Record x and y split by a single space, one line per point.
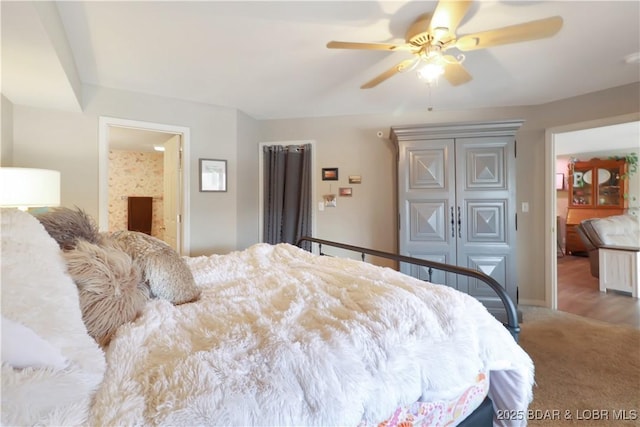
135 174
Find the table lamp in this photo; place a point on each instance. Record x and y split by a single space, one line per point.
25 188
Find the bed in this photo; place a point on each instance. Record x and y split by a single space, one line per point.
278 336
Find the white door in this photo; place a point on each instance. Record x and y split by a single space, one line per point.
172 185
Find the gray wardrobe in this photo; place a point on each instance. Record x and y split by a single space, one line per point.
457 203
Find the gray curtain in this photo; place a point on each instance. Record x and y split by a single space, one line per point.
287 193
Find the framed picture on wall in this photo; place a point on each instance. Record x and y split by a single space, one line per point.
329 174
345 191
559 181
213 175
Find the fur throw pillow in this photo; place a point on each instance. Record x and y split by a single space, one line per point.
166 273
67 226
110 286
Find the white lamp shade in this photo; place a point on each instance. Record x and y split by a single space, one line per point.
28 187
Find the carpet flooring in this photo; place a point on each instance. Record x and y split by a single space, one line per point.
587 371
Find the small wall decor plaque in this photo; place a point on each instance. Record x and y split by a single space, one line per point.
345 191
330 200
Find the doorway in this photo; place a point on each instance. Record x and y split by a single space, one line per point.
558 140
172 196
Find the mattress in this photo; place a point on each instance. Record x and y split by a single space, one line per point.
439 412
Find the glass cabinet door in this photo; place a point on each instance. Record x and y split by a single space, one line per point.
608 185
582 188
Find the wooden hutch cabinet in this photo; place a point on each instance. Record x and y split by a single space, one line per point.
596 190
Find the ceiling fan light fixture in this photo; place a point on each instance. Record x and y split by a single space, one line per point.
430 73
431 53
431 35
440 32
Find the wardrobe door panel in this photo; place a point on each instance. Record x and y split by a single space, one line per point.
495 266
485 194
427 168
427 221
485 221
485 166
426 198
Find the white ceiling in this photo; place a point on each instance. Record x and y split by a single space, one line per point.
602 141
130 139
269 59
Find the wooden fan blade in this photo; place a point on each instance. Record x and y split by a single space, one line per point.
448 15
456 74
366 46
390 72
513 34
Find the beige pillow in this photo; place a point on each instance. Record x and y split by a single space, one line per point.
111 289
166 273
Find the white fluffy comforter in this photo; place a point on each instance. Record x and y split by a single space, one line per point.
284 337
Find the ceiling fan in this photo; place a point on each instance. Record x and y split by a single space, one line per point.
432 34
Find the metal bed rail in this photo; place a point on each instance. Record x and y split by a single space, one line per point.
507 302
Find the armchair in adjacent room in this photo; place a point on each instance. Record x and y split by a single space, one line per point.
592 248
618 237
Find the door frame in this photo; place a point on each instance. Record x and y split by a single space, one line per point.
261 183
552 137
104 123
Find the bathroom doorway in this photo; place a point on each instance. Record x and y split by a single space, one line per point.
151 169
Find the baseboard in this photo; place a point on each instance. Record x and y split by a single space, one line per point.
533 302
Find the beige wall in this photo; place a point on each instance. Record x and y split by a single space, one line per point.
6 135
68 142
221 222
247 181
